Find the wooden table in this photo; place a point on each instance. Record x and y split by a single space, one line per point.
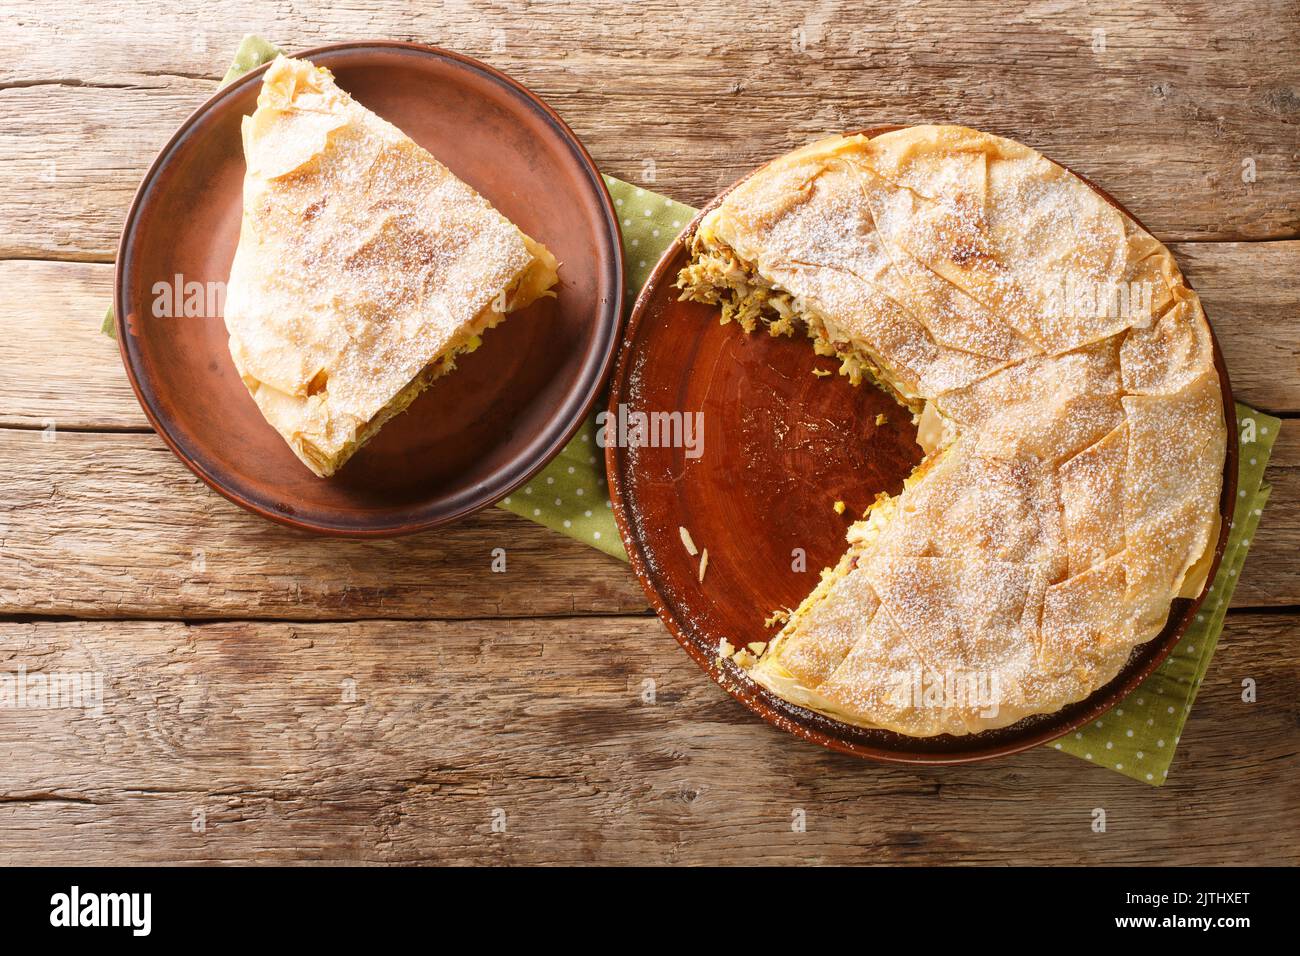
271 696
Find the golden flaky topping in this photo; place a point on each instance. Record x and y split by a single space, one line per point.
364 266
1064 371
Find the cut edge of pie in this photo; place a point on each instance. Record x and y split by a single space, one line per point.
797 245
532 284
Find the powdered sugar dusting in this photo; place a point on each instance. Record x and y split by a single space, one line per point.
940 253
361 259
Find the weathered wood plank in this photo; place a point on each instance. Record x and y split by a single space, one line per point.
251 725
107 525
55 366
1272 573
1156 108
112 525
1255 311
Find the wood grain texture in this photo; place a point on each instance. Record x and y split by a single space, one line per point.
78 381
1272 572
109 525
56 366
549 723
1162 107
1255 314
113 525
527 696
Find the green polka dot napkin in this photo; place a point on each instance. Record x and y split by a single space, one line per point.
1137 738
570 495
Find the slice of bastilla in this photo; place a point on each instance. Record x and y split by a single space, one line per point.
364 267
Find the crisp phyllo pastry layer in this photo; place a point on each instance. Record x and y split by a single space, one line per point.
1062 375
364 267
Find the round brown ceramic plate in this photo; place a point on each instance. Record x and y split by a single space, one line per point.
781 446
475 435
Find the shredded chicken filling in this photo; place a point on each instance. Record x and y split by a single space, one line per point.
718 276
533 283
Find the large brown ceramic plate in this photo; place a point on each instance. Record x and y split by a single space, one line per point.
475 435
781 446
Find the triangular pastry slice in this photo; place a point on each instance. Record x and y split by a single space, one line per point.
364 266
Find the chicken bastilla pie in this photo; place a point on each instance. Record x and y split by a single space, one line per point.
364 267
1063 380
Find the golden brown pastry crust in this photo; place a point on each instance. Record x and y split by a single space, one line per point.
364 265
1085 444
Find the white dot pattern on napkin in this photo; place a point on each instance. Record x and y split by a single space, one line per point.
576 476
1158 709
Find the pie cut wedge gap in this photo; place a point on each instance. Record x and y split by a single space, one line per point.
364 267
1075 443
